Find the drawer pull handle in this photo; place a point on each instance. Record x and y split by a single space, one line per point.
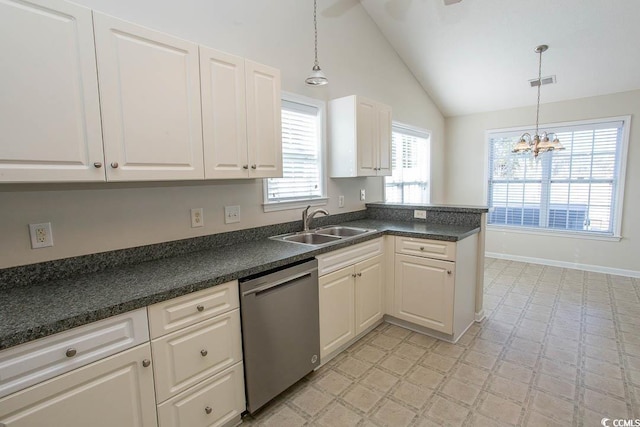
146 363
204 352
200 307
71 352
448 271
97 165
359 274
422 248
208 410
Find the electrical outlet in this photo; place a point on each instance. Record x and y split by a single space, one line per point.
420 214
41 236
362 194
231 214
341 201
197 218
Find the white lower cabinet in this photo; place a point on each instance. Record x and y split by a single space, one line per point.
116 391
424 292
198 367
434 284
351 298
214 402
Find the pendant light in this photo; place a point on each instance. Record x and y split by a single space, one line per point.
317 77
538 143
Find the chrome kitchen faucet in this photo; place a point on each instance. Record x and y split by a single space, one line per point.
306 217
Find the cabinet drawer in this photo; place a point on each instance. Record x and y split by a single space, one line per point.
39 360
341 258
438 249
213 402
188 356
176 313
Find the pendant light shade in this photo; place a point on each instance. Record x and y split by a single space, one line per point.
317 77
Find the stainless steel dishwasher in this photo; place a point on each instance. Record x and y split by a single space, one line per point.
280 329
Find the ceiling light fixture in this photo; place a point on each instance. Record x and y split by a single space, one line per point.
317 77
538 143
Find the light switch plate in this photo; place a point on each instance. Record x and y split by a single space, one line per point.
231 214
341 201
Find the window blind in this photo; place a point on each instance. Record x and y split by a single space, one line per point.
570 190
409 181
301 158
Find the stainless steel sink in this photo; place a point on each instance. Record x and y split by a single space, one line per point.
323 236
310 238
338 230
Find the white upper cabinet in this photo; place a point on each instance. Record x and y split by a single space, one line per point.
360 137
224 114
50 119
264 121
150 99
241 111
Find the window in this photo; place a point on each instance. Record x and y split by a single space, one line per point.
302 160
410 165
576 190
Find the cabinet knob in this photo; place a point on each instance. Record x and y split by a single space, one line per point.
245 166
71 352
97 165
200 307
204 352
353 274
114 165
448 271
146 363
253 166
359 274
208 410
422 248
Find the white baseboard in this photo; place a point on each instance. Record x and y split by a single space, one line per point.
479 316
565 264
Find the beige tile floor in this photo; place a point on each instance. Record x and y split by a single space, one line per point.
559 347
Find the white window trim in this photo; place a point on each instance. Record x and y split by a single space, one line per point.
268 206
420 133
617 229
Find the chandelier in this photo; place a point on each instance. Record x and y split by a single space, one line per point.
317 77
538 143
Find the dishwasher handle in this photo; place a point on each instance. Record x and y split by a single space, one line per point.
281 282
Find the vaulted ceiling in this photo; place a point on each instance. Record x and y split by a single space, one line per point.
478 55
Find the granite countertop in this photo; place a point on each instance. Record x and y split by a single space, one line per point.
42 309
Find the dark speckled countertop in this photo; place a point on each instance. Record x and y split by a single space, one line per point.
42 309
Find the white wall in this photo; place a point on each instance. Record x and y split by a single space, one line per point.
89 218
466 154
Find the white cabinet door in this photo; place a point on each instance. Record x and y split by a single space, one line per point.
369 292
50 117
150 99
424 292
116 391
384 140
224 114
264 123
337 319
366 128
